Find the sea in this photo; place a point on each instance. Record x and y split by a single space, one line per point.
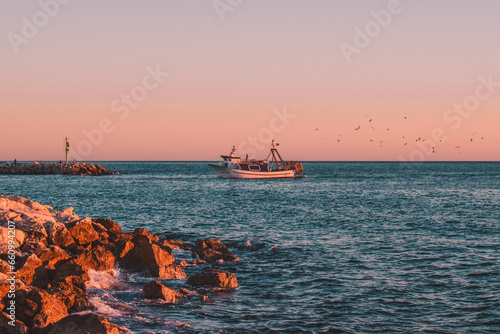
353 247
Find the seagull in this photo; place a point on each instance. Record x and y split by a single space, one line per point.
317 129
471 139
405 117
387 129
359 127
371 140
457 146
406 143
372 128
371 119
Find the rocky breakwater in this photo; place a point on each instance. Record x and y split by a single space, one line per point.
46 257
46 168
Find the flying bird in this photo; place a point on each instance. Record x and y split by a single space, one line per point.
359 127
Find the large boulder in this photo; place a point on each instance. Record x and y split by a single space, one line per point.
13 235
89 323
145 255
83 232
211 250
97 258
214 278
156 290
37 308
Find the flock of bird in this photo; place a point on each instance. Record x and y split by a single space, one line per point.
419 139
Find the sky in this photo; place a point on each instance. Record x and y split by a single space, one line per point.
363 80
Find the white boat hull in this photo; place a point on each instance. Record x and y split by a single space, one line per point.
231 173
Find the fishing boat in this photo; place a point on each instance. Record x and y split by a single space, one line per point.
234 167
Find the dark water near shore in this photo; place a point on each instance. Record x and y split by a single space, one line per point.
360 247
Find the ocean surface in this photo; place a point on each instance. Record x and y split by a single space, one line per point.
351 248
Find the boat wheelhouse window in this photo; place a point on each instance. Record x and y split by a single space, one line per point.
254 167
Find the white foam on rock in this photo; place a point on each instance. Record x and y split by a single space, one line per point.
100 280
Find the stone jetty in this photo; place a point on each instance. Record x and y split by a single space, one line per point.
46 168
47 256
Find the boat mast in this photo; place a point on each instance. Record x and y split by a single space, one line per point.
274 151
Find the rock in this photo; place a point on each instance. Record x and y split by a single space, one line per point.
52 255
69 270
214 278
97 258
31 271
58 234
7 234
6 328
173 271
211 250
110 225
34 242
74 298
66 216
83 232
4 267
89 323
156 290
149 235
37 309
145 255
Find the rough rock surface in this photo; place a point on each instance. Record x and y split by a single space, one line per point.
89 323
56 250
214 278
156 290
211 250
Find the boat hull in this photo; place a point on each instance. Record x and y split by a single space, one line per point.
230 173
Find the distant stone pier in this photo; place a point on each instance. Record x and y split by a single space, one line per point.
46 168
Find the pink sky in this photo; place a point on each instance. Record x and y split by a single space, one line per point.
227 79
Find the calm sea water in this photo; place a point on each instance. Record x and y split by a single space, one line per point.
358 247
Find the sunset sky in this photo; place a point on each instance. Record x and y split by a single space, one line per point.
244 72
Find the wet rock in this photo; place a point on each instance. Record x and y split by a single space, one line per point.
151 237
214 278
145 255
89 323
83 232
173 271
7 328
156 290
97 258
37 308
7 234
211 250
